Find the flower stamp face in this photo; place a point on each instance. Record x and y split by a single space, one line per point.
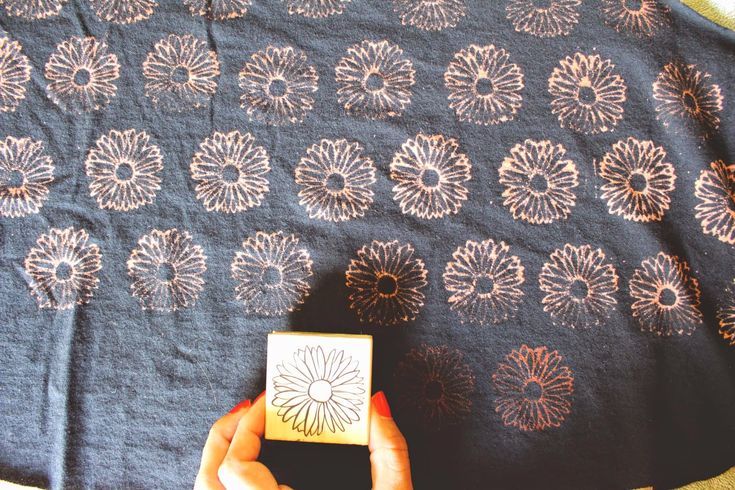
318 387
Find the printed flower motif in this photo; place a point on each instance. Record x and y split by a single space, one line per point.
319 392
580 286
124 170
230 171
715 189
15 71
63 268
435 386
335 180
218 9
534 389
642 18
638 179
34 9
666 296
543 19
167 269
375 80
539 182
430 15
273 273
588 94
316 9
123 11
685 95
485 88
386 282
726 315
278 85
485 282
181 73
81 74
430 173
25 173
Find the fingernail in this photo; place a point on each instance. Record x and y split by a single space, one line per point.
381 404
240 406
259 397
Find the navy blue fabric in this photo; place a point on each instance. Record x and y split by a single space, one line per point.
108 395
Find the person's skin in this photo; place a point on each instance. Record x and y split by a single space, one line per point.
230 455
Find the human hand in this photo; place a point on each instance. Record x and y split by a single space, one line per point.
229 458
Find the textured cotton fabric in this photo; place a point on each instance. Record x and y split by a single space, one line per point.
530 208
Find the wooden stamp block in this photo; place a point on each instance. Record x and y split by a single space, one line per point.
318 387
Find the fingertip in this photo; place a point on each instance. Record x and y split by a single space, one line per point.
380 402
241 406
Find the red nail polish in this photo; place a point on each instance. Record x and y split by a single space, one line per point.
381 404
240 406
259 397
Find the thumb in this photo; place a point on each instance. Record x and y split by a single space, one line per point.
389 462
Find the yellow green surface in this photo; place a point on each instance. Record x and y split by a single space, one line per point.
719 11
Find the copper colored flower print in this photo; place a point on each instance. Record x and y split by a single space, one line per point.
123 11
15 71
484 280
375 80
684 95
385 283
430 15
124 169
336 180
430 175
63 268
435 386
666 296
218 9
715 190
588 94
181 73
485 87
231 172
726 315
81 75
316 9
580 286
278 86
318 392
273 272
34 9
549 18
539 182
534 389
25 174
641 18
167 268
638 180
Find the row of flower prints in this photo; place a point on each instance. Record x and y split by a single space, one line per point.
385 280
335 178
551 19
375 80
